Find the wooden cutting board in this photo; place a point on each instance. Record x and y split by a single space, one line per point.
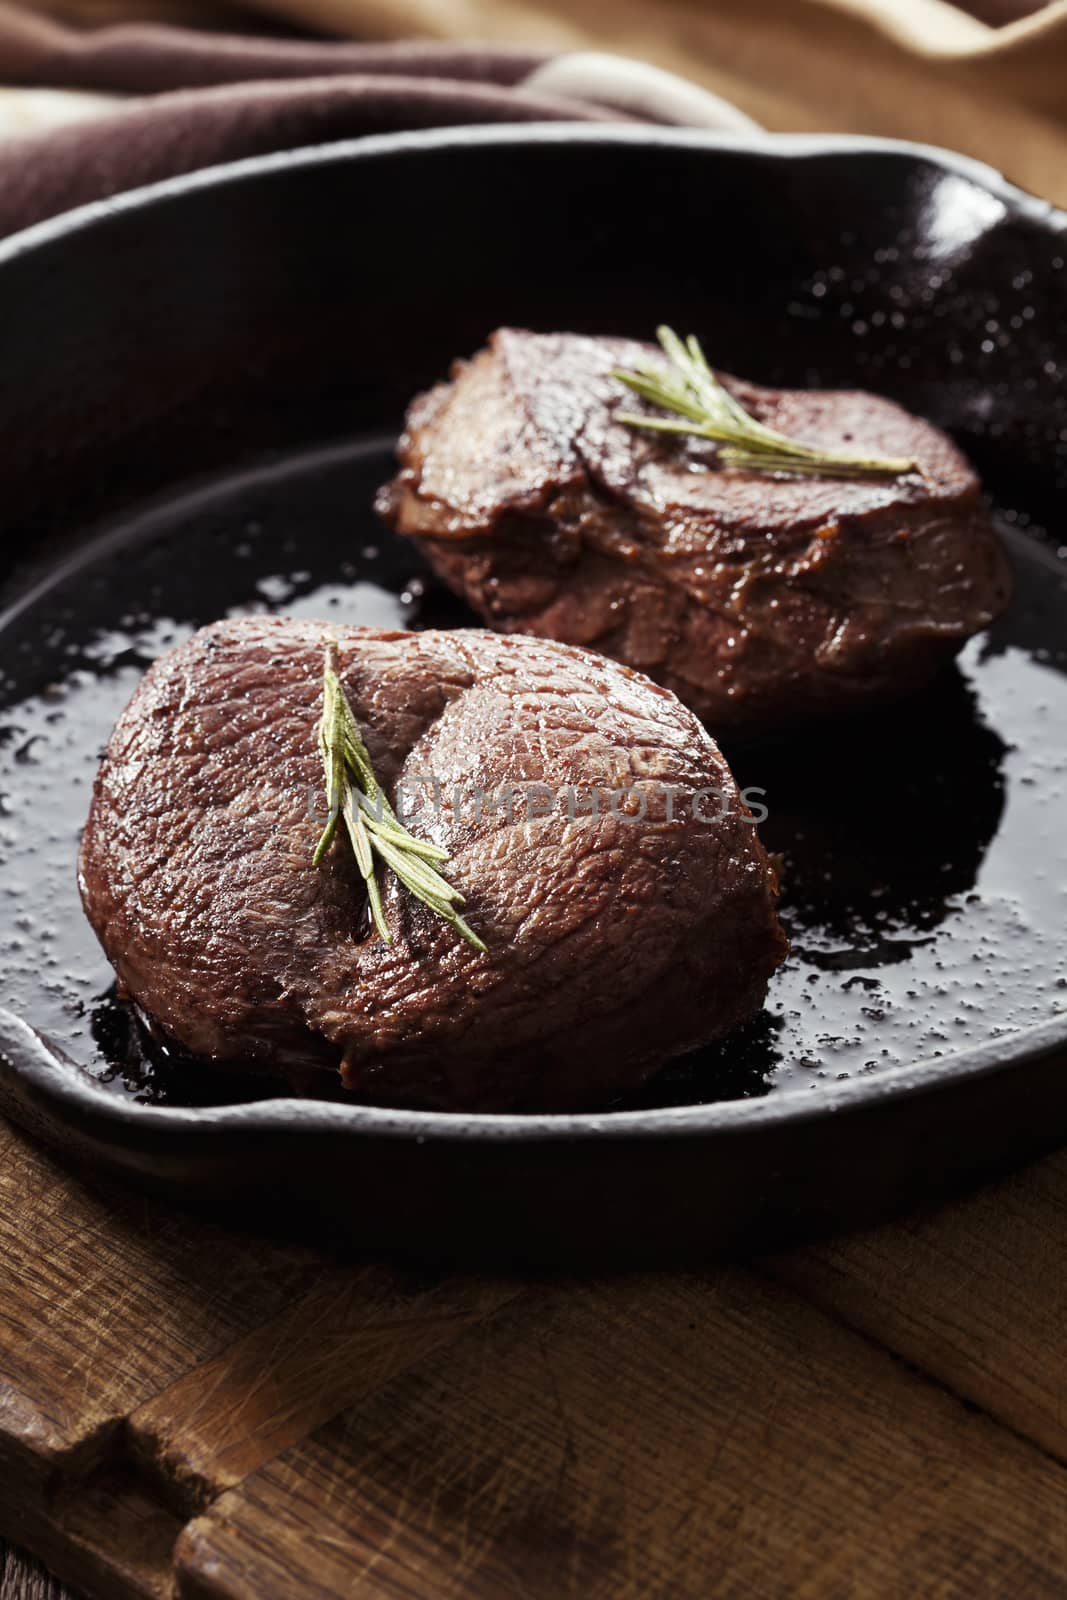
190 1410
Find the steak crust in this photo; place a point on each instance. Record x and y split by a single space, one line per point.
757 598
614 942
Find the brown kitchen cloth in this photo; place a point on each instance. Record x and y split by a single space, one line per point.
239 97
912 68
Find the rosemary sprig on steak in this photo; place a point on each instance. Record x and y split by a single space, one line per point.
690 389
354 793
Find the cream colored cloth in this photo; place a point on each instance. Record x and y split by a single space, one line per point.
915 69
34 110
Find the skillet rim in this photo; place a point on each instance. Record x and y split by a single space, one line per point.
788 146
31 1058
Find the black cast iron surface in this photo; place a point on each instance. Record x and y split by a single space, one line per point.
198 401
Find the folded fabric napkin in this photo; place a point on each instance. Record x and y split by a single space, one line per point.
88 113
203 98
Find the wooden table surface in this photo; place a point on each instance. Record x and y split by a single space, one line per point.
24 1578
188 1410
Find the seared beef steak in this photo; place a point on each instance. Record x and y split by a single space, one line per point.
613 941
757 598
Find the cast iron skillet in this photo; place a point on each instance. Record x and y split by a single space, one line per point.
199 387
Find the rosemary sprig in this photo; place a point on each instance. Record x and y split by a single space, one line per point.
354 794
690 389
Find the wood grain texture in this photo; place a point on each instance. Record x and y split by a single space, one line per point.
105 1298
190 1411
347 1338
24 1578
673 1437
975 1294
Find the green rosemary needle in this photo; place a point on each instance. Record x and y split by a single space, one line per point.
708 410
354 795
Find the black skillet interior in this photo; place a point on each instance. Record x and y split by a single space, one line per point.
199 392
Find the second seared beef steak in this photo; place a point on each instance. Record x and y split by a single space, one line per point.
613 941
758 598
